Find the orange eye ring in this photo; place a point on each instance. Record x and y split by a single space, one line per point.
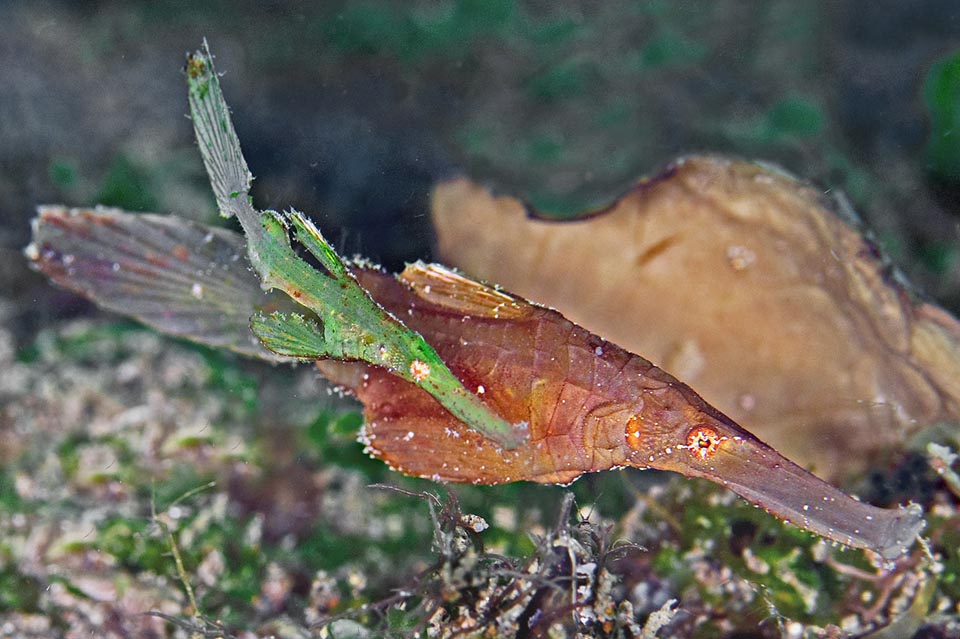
703 442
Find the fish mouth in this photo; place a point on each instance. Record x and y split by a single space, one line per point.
761 475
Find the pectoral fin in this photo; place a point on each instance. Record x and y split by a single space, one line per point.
290 334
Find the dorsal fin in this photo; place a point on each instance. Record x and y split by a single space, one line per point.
444 287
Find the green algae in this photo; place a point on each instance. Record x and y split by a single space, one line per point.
941 93
127 186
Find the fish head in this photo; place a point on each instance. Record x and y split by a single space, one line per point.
683 434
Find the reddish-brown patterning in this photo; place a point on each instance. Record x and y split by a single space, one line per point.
577 392
589 404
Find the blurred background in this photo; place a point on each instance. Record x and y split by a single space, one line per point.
351 110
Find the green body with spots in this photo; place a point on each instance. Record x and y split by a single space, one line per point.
352 326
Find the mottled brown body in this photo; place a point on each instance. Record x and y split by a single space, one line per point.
590 405
575 391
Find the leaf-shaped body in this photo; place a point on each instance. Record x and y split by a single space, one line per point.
590 406
528 363
563 400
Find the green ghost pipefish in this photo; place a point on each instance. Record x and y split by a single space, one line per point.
352 326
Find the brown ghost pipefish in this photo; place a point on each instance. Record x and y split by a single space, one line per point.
588 404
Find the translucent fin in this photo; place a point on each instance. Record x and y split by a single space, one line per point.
442 286
290 334
178 276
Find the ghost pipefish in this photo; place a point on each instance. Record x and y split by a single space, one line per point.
587 404
352 325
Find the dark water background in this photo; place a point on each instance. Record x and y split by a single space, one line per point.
351 110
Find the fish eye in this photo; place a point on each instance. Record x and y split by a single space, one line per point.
703 441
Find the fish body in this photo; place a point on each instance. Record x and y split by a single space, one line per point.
579 394
590 406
